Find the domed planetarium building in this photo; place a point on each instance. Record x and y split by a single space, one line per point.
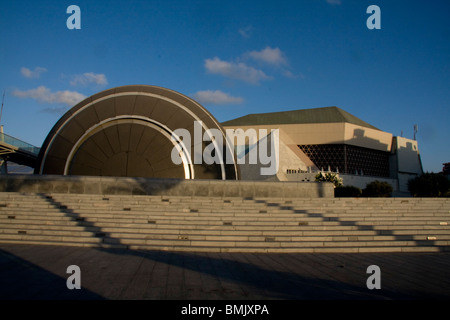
130 131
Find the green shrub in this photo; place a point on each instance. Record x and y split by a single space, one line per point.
377 189
429 185
329 177
347 191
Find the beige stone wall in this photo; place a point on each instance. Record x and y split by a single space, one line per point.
331 133
408 156
367 138
306 133
289 159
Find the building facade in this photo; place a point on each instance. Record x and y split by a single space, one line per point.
330 139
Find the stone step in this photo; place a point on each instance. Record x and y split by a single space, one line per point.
277 238
274 237
227 224
158 223
253 203
66 243
55 238
213 230
260 216
184 199
44 232
228 243
263 213
428 249
310 203
233 211
216 205
160 228
29 202
242 249
370 203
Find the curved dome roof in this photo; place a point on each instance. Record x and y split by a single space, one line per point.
128 131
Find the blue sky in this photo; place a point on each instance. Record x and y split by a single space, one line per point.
236 58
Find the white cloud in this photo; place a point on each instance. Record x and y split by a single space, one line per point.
88 78
289 74
235 70
271 56
44 95
216 97
334 2
56 110
246 32
31 74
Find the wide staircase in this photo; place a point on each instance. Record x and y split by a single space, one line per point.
226 224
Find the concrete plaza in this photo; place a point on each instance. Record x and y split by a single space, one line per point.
39 272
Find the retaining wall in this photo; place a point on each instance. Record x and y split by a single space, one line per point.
173 187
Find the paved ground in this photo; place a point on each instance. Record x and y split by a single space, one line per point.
39 272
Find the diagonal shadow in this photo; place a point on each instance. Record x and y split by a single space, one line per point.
220 274
74 216
259 282
254 280
384 232
21 279
271 284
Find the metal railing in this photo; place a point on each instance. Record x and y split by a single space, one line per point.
19 144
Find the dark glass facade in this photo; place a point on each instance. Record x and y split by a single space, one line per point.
348 159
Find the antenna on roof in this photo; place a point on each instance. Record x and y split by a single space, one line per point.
1 112
416 128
